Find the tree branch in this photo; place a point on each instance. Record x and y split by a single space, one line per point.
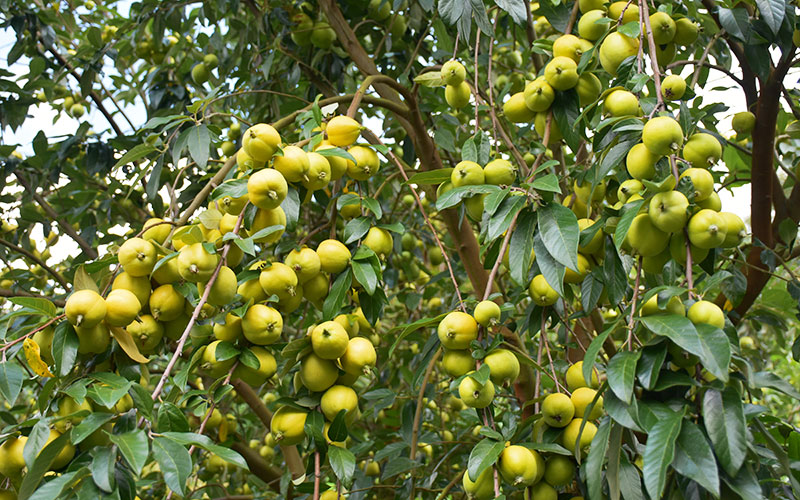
22 293
38 261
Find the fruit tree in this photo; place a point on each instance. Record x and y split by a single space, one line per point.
262 249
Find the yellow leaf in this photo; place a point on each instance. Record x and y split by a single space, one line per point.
32 354
125 341
223 429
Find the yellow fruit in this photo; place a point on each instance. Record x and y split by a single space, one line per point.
540 125
137 257
702 150
706 312
453 72
630 13
589 28
707 229
673 87
735 230
342 131
457 330
615 48
210 363
645 238
224 288
278 279
122 306
673 306
503 366
663 27
94 339
261 141
359 357
662 135
743 122
517 465
246 162
329 340
318 374
486 313
165 273
379 241
539 95
262 325
588 88
516 110
195 264
686 31
467 173
561 73
146 332
575 380
621 103
269 218
569 439
367 163
557 410
457 96
139 286
641 162
64 456
305 263
457 362
571 47
577 276
677 250
541 292
229 331
255 377
581 399
267 188
338 165
668 211
596 243
287 425
316 289
543 491
319 172
482 488
475 395
156 230
293 164
44 339
166 303
11 459
338 398
85 308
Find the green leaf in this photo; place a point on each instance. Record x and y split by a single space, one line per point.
198 141
650 364
483 455
629 212
174 461
187 438
171 418
365 274
559 230
593 350
314 428
723 418
235 188
521 246
707 342
374 206
429 79
134 154
355 229
338 430
11 377
88 425
134 446
659 452
548 183
41 463
481 375
552 270
397 466
102 467
410 328
631 29
337 295
343 463
594 461
772 381
42 305
516 9
772 12
338 152
621 372
630 483
53 489
455 195
694 459
430 177
65 348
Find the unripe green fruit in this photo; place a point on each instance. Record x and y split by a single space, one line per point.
662 135
743 122
457 96
453 72
200 74
673 87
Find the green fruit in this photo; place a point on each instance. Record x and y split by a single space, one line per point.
707 229
457 330
668 211
137 257
329 340
589 88
663 27
211 61
467 173
543 491
166 303
262 325
224 288
735 230
268 218
503 366
482 488
475 395
318 374
702 150
569 439
11 459
561 73
457 96
541 292
200 74
288 425
379 241
706 312
686 31
499 172
359 357
367 163
323 36
581 398
338 398
702 181
662 135
516 110
673 87
674 306
571 47
231 330
645 238
621 103
453 72
278 279
629 188
589 27
641 162
615 48
557 410
301 33
539 95
122 306
628 10
486 313
677 250
560 470
517 465
457 362
147 333
267 366
334 256
85 308
586 6
743 122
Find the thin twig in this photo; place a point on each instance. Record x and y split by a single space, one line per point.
38 261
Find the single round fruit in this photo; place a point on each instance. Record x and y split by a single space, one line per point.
543 491
342 131
629 188
677 250
318 374
338 398
735 230
581 398
224 288
146 333
559 470
641 162
231 330
140 286
269 218
457 330
85 308
200 73
588 88
539 95
156 229
367 163
561 73
517 465
743 122
453 72
645 238
663 27
323 36
702 150
575 380
305 263
557 410
457 96
669 211
573 430
195 264
11 459
503 366
541 292
293 164
702 181
457 362
615 48
288 425
122 306
662 135
673 87
260 142
571 47
359 357
475 395
686 31
379 241
257 376
499 172
621 103
137 257
589 27
278 279
166 303
486 313
319 172
629 11
516 110
467 173
707 229
267 188
334 256
262 325
329 340
706 312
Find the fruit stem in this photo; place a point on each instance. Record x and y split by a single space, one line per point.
633 302
651 44
418 411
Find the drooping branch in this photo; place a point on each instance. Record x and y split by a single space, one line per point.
37 260
22 293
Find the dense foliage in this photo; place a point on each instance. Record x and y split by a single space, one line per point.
399 248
